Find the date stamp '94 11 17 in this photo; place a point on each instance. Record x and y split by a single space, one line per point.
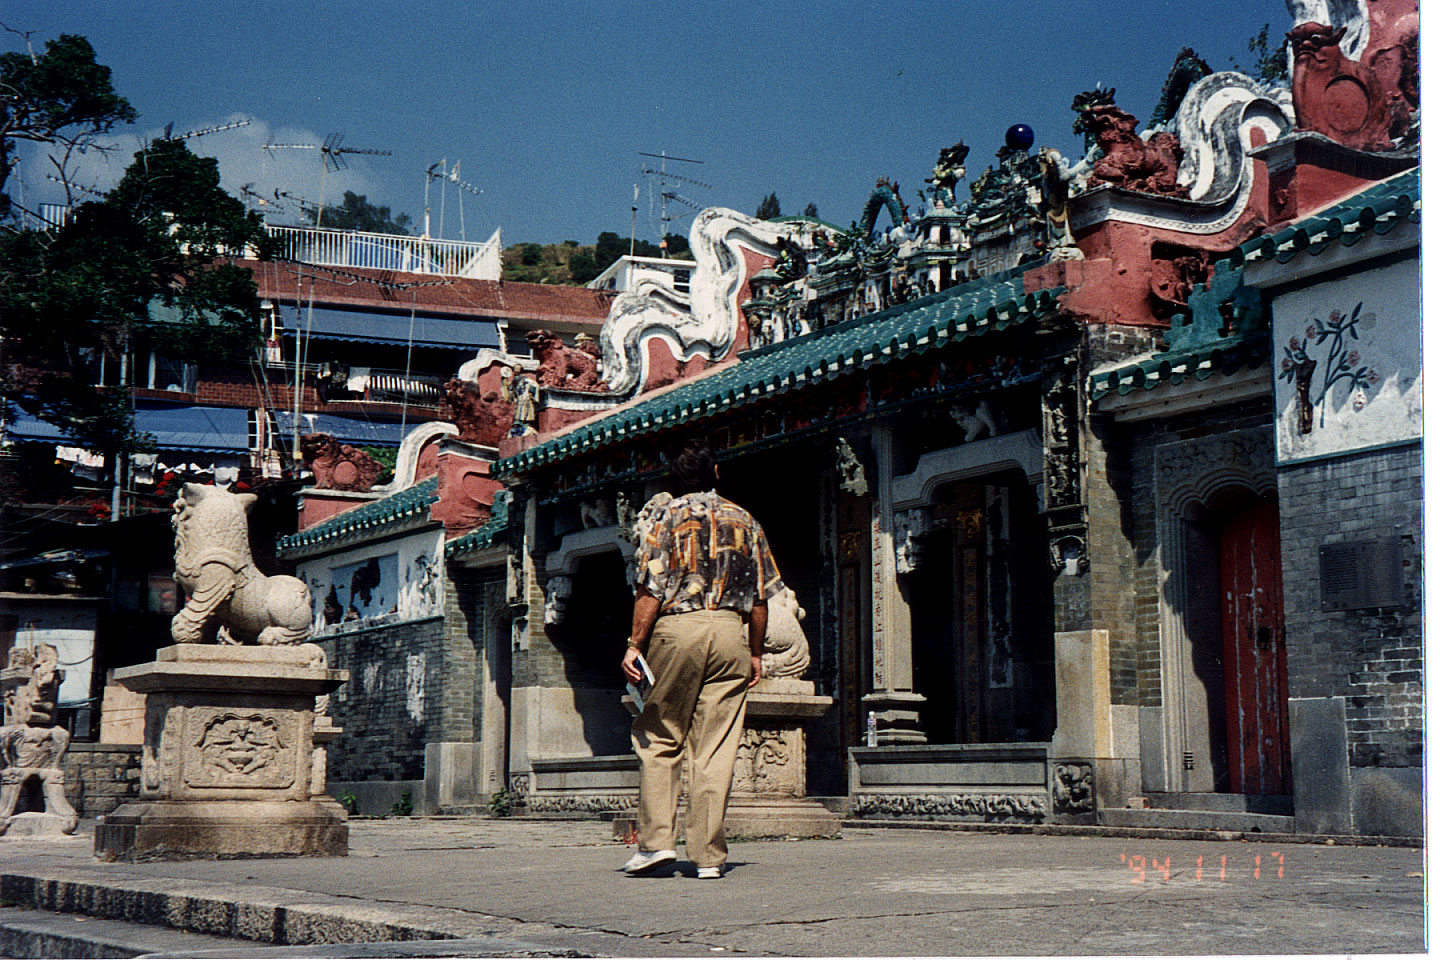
1221 870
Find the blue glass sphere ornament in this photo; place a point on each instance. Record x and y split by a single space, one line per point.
1020 137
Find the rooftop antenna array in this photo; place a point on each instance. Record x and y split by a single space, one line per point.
437 171
332 157
203 131
667 194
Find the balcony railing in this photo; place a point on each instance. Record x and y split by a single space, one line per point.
373 385
473 259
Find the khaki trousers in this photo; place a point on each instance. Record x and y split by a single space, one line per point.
701 663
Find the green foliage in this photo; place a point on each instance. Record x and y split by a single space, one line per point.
143 264
769 208
350 802
530 254
357 213
500 804
402 807
386 457
811 210
1270 64
61 97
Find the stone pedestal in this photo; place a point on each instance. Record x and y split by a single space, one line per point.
228 763
767 796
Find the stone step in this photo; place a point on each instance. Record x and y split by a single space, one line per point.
1196 820
39 933
1277 805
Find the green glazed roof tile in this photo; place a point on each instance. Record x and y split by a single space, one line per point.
364 522
487 534
1377 210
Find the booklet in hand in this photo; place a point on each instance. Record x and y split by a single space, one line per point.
640 692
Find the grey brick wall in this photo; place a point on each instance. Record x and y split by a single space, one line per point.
1371 657
382 739
101 776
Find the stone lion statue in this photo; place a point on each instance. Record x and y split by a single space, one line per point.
230 601
565 367
787 653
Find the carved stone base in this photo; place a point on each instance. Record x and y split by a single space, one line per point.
228 766
35 824
222 830
897 717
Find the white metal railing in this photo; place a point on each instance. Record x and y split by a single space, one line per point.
473 259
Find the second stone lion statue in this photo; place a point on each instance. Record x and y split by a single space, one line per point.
229 599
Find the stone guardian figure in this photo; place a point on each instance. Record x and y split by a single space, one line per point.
32 745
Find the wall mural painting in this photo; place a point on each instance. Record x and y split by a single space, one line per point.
1347 365
366 592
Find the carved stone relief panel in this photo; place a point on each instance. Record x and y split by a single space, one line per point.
1061 442
240 748
1072 788
770 762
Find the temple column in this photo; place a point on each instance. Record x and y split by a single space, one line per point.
892 699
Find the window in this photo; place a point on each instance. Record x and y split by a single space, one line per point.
167 373
682 281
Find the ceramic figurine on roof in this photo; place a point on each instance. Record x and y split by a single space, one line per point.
561 366
1145 166
1355 71
338 466
483 416
229 600
949 169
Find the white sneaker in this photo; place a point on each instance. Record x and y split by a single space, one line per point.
644 862
709 873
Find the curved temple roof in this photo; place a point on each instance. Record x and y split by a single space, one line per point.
970 309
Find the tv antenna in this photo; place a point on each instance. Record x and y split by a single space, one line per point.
259 199
203 131
437 171
93 191
306 206
666 194
332 157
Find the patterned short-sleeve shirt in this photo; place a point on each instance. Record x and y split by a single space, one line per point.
702 552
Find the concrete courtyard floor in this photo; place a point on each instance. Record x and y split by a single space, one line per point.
554 888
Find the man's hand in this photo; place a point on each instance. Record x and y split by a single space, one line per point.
631 668
754 672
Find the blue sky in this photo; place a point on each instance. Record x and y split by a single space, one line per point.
546 104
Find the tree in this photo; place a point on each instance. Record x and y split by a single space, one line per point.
769 208
146 264
811 210
583 268
60 97
357 213
1270 65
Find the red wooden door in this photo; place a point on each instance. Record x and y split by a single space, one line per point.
1256 689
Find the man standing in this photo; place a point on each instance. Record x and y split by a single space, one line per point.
703 574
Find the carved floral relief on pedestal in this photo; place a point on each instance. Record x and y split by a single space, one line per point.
768 762
243 748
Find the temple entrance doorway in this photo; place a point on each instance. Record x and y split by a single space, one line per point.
982 617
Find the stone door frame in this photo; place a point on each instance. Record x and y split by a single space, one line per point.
1188 475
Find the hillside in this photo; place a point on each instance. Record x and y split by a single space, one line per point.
576 264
